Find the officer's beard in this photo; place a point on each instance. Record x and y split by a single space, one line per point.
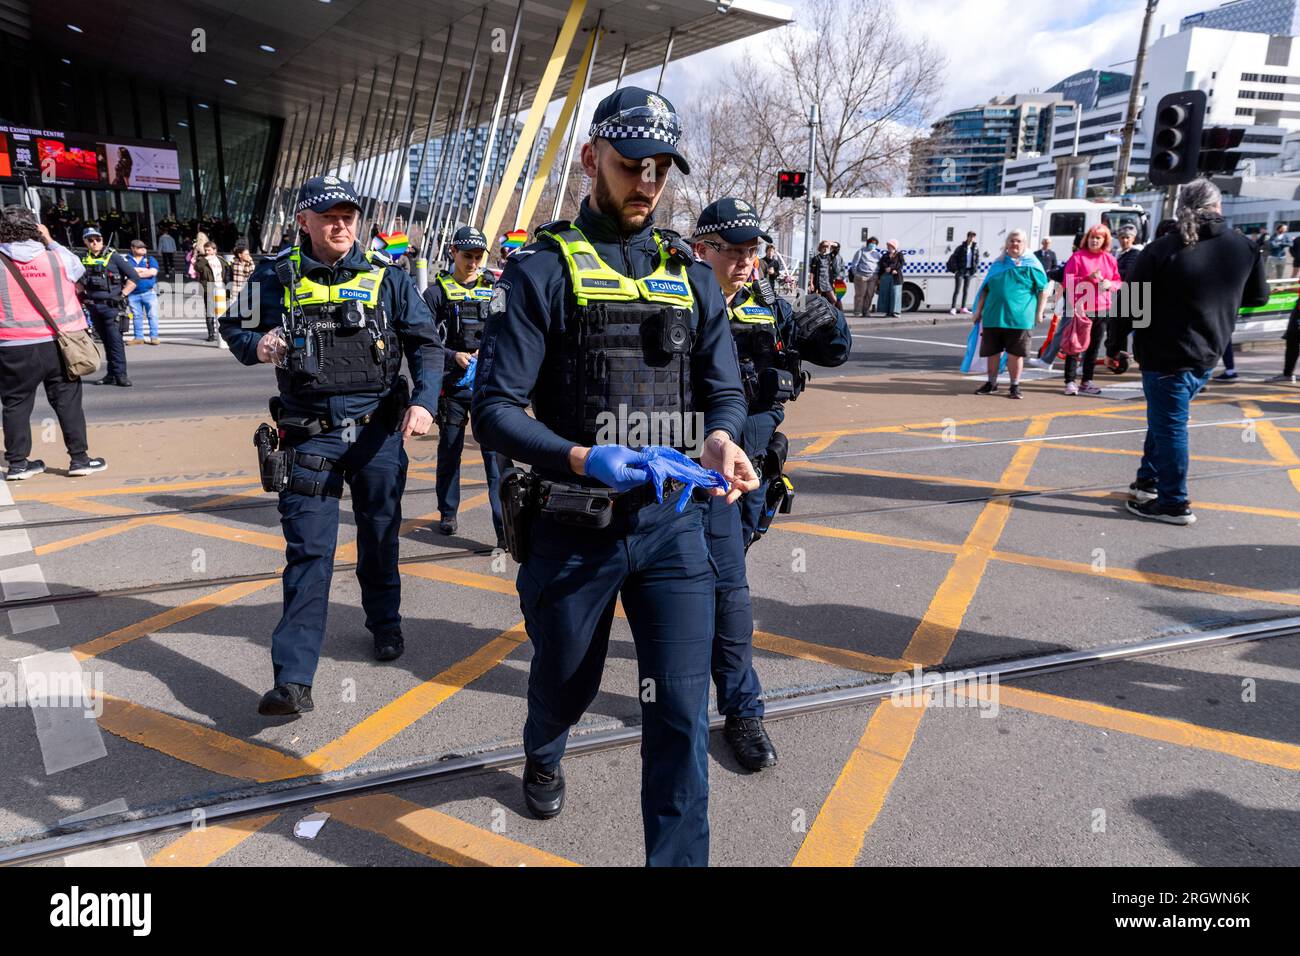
607 204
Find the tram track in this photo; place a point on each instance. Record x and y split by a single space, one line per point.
270 798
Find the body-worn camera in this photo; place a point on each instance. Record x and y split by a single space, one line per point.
675 332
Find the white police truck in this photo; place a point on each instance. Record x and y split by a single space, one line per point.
929 228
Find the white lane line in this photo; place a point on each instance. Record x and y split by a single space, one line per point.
64 712
24 583
126 855
104 809
890 338
13 541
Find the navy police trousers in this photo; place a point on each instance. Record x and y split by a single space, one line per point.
375 467
658 562
454 414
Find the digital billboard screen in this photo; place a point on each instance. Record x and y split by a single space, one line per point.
44 157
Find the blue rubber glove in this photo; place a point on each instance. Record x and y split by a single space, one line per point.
617 466
665 463
468 377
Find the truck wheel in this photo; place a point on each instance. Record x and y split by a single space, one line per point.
912 297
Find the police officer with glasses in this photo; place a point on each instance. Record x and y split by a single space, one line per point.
602 317
336 321
458 298
772 342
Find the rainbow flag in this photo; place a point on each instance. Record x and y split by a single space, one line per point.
840 288
514 239
395 243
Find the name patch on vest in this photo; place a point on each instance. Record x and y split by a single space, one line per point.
600 283
353 294
666 286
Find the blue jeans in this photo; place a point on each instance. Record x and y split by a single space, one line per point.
890 295
144 304
1164 456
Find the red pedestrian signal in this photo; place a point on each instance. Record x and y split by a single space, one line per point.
791 183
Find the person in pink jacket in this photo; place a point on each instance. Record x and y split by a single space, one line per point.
1090 276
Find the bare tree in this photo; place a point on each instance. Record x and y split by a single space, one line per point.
873 86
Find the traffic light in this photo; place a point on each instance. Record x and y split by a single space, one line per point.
1216 144
791 183
1177 138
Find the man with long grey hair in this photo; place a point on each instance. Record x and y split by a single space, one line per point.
1199 276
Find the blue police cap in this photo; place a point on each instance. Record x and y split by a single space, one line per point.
91 232
467 239
325 192
735 220
639 124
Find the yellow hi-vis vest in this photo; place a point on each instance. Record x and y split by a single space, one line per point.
596 281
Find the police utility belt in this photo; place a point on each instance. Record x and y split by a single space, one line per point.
525 495
277 447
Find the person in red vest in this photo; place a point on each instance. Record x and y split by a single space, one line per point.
28 353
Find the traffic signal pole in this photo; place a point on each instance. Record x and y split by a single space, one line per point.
807 204
1130 123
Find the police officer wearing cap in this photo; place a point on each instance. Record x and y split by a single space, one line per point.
458 298
109 279
336 321
771 342
602 316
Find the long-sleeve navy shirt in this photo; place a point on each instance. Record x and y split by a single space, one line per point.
402 303
829 347
435 297
535 302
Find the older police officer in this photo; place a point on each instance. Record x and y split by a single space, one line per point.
336 321
108 280
771 343
458 298
606 316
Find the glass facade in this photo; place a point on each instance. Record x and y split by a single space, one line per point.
223 152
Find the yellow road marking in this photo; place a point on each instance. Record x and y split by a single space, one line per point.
821 444
825 654
469 579
1133 453
1256 749
1274 443
198 745
105 531
436 835
168 617
209 844
397 715
859 793
902 475
59 497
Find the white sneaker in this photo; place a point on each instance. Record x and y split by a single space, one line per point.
952 311
1282 380
1087 388
221 343
1071 388
966 312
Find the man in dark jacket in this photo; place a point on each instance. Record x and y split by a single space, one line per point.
1199 277
963 263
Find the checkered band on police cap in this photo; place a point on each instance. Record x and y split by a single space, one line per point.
469 238
709 228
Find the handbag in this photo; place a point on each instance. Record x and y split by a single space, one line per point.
76 349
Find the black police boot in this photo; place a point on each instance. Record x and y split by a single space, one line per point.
750 742
123 381
447 525
543 792
389 647
106 380
285 699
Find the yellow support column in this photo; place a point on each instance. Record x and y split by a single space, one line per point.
543 171
536 112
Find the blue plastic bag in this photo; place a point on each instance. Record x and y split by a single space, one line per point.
665 463
972 349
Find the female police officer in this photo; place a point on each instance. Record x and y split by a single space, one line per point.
336 322
608 316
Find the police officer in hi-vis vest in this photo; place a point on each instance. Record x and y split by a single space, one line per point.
336 321
458 298
772 342
608 316
108 280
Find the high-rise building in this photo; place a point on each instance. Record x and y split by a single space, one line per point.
964 154
462 187
1247 77
1274 17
